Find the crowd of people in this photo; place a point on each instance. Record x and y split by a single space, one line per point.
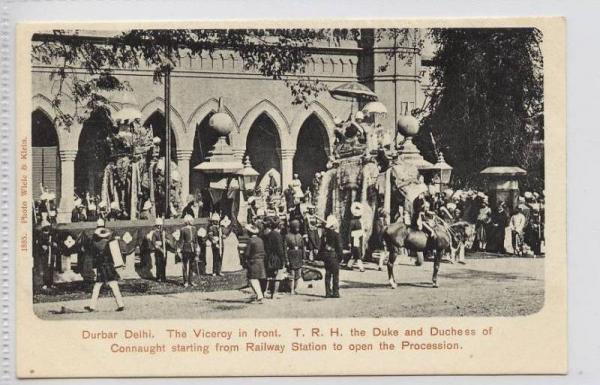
284 233
502 228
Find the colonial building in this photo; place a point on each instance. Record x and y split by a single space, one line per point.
272 131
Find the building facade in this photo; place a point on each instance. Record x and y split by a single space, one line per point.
271 130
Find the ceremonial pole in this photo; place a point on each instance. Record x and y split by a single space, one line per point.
167 142
395 79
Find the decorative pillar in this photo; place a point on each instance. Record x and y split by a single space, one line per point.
287 166
183 164
67 184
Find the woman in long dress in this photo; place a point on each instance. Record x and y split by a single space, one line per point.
231 256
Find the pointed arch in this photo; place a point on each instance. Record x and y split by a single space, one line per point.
45 148
320 112
269 109
44 105
177 123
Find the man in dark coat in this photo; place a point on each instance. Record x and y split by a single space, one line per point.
253 261
331 250
47 250
105 267
158 243
276 258
215 236
189 250
294 244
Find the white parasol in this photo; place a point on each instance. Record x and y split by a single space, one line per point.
375 107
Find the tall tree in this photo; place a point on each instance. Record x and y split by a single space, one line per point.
486 103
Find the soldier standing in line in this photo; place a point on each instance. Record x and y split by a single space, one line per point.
215 237
189 250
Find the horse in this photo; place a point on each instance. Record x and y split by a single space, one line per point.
398 235
463 237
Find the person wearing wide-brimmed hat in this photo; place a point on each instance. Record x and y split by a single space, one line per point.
105 267
357 236
254 256
331 250
189 249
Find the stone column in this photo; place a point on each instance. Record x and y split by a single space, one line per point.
287 166
238 154
183 164
67 184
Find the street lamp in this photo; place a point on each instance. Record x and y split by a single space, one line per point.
442 171
248 176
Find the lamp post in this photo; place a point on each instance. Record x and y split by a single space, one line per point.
167 75
442 170
248 176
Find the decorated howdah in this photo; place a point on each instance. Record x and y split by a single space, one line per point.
135 174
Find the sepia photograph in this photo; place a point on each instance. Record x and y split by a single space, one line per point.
287 173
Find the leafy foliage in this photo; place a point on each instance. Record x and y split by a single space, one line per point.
83 68
486 103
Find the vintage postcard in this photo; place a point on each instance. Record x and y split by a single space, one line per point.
299 198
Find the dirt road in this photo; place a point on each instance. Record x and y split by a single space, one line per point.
483 287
